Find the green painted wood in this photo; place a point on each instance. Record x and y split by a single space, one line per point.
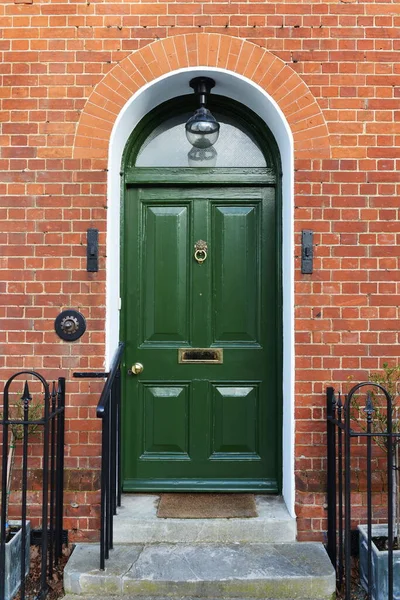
262 486
236 258
201 426
201 175
164 312
165 404
235 409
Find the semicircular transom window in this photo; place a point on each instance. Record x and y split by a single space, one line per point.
167 146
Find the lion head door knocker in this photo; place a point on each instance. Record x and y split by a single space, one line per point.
200 251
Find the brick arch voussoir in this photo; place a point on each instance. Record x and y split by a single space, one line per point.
280 81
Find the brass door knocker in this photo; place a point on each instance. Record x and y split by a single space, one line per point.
200 251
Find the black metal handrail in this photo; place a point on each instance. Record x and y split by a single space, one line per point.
342 411
17 423
109 411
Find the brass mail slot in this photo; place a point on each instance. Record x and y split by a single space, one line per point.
213 356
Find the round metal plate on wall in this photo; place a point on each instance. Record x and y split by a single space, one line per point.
70 325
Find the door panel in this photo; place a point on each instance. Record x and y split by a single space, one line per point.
235 419
236 251
198 425
165 251
165 404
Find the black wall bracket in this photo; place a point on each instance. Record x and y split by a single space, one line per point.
92 251
307 251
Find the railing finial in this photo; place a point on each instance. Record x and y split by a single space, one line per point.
26 396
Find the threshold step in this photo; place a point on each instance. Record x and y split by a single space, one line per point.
137 523
292 571
75 597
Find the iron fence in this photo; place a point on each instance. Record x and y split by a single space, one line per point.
109 411
33 420
363 443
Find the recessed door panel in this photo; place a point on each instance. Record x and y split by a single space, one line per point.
165 404
165 273
236 281
235 421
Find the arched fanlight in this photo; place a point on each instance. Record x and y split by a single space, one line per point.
202 129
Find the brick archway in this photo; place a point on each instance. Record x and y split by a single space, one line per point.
285 86
160 71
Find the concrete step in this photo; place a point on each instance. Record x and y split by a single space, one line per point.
291 571
75 597
137 523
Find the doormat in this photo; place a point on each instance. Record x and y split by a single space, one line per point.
207 506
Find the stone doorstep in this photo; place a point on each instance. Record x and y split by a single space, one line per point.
75 597
291 571
137 523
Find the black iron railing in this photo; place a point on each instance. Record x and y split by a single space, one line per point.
109 410
363 441
33 420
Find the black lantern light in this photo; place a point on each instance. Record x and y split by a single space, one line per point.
202 129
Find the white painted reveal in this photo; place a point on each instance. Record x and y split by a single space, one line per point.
239 88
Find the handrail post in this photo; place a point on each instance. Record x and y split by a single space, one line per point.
5 428
103 496
390 449
331 474
113 452
118 383
60 467
347 491
45 487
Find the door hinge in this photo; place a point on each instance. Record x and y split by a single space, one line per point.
119 304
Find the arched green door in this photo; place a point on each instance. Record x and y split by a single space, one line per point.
205 413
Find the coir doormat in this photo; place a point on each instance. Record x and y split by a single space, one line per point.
206 506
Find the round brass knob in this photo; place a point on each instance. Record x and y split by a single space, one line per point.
137 368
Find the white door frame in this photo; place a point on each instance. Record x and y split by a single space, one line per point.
230 85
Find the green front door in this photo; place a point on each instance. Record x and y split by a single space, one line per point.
201 425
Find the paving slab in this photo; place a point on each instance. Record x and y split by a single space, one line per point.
137 523
290 571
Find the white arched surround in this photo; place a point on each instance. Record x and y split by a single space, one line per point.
230 85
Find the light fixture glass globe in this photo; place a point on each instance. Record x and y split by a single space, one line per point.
202 157
202 129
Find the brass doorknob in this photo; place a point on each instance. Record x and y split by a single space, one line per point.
137 368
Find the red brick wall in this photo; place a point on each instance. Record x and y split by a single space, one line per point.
52 189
